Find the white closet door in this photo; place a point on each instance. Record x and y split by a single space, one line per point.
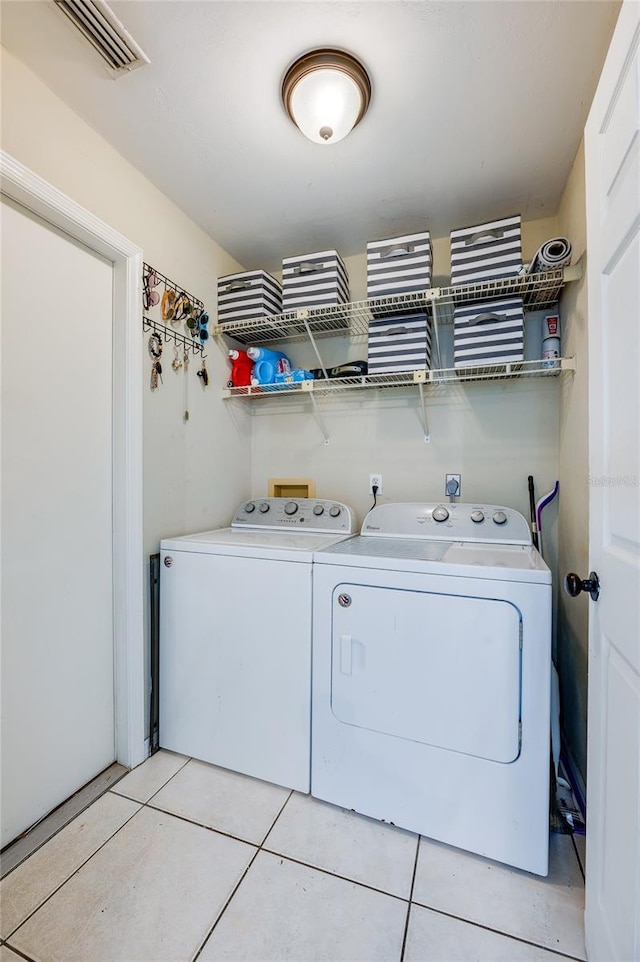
57 598
612 150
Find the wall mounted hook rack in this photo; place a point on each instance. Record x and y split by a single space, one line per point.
171 285
169 334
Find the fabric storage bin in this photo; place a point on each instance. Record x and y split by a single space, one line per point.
490 332
247 295
399 265
314 280
487 251
399 343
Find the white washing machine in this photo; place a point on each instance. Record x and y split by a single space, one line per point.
235 637
431 678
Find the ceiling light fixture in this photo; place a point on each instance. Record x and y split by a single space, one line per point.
326 93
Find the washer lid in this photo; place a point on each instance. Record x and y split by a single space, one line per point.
254 543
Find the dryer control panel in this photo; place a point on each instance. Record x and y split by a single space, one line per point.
448 522
301 514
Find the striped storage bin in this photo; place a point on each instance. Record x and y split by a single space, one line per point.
401 343
491 332
314 280
247 295
399 265
487 251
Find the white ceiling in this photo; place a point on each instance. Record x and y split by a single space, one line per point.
477 111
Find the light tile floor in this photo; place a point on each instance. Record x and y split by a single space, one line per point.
182 861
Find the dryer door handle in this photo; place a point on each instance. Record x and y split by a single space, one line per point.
346 661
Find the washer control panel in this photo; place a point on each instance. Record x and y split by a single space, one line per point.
448 522
301 514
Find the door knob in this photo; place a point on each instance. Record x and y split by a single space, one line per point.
573 585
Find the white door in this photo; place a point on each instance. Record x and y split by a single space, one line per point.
57 568
612 141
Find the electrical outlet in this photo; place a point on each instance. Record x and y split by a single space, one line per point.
452 485
375 480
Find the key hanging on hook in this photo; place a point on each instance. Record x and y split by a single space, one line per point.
185 362
204 374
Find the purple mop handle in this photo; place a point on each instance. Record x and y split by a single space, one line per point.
543 502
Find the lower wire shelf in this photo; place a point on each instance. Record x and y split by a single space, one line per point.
427 378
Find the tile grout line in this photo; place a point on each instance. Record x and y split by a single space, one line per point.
413 882
269 851
241 879
226 905
273 824
326 871
164 784
287 858
75 872
506 935
19 953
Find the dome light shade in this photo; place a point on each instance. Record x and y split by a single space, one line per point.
326 93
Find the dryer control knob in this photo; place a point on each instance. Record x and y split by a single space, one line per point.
477 516
500 517
264 507
318 509
249 507
440 514
290 507
334 511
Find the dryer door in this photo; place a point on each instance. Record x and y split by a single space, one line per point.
440 669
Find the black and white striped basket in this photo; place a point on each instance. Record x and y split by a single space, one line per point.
399 265
248 295
490 332
401 343
487 251
314 280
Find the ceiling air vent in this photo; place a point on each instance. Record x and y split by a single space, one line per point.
104 31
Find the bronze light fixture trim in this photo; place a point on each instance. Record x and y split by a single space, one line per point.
326 115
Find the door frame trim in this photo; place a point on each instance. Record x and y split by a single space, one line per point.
33 192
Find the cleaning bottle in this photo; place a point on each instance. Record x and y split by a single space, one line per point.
267 364
241 369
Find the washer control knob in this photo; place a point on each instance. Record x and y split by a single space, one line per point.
335 511
440 514
500 517
249 507
264 507
318 509
477 516
290 507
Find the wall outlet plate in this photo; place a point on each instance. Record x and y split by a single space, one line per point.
453 485
375 480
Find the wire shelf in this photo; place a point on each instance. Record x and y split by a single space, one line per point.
537 291
427 378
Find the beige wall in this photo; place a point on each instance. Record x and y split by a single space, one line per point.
573 508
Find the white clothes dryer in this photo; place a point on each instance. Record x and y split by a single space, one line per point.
431 678
235 637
